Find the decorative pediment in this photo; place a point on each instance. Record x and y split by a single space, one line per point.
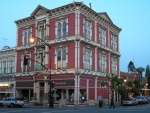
39 10
105 16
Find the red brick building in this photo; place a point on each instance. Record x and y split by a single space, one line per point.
78 45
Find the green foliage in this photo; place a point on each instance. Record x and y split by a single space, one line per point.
104 83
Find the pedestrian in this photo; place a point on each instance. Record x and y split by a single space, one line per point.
112 103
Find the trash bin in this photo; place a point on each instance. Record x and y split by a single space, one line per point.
100 103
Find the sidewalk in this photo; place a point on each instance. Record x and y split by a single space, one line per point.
56 106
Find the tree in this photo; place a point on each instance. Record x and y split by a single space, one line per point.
115 82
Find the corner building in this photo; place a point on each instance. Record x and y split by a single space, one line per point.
77 44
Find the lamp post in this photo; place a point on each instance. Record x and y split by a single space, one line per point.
127 86
51 102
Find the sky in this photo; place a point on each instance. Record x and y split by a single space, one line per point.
132 16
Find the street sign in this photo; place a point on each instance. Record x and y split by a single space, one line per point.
49 71
38 66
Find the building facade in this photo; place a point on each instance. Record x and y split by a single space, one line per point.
74 44
7 72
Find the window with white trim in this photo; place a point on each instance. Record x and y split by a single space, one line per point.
102 35
11 65
61 58
26 68
62 28
87 29
4 66
26 36
113 42
114 65
87 59
102 62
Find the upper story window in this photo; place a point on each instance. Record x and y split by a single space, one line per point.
87 59
61 62
26 68
113 42
87 29
102 36
102 63
114 65
4 67
11 65
42 32
62 28
26 36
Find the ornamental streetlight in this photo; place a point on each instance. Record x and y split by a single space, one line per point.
127 87
51 101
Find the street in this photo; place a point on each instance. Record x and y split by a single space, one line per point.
85 109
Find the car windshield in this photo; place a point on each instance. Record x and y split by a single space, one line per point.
138 97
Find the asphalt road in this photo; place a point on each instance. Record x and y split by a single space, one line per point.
105 109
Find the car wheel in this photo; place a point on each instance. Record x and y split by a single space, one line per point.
12 105
1 105
20 106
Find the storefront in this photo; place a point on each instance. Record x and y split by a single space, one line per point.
7 86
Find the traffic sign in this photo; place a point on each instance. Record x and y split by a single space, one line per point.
49 71
38 66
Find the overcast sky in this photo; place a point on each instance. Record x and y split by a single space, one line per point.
132 16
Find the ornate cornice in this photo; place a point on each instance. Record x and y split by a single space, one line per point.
26 21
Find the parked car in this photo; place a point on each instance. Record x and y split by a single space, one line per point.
148 98
141 99
130 101
12 102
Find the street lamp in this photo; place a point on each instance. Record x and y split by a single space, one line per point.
51 102
127 87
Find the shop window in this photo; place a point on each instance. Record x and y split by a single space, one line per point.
82 95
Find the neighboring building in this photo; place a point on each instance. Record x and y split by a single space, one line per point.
128 76
80 47
7 72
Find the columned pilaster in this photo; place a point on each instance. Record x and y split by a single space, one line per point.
95 89
87 90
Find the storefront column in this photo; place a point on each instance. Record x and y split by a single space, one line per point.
29 99
75 91
67 95
36 91
95 89
87 90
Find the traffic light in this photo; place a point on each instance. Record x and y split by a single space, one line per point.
53 84
26 58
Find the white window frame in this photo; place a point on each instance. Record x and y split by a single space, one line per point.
114 65
26 68
114 42
87 58
102 36
11 65
103 62
62 64
61 22
4 61
87 29
27 41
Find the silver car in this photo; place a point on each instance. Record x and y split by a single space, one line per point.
130 101
12 102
